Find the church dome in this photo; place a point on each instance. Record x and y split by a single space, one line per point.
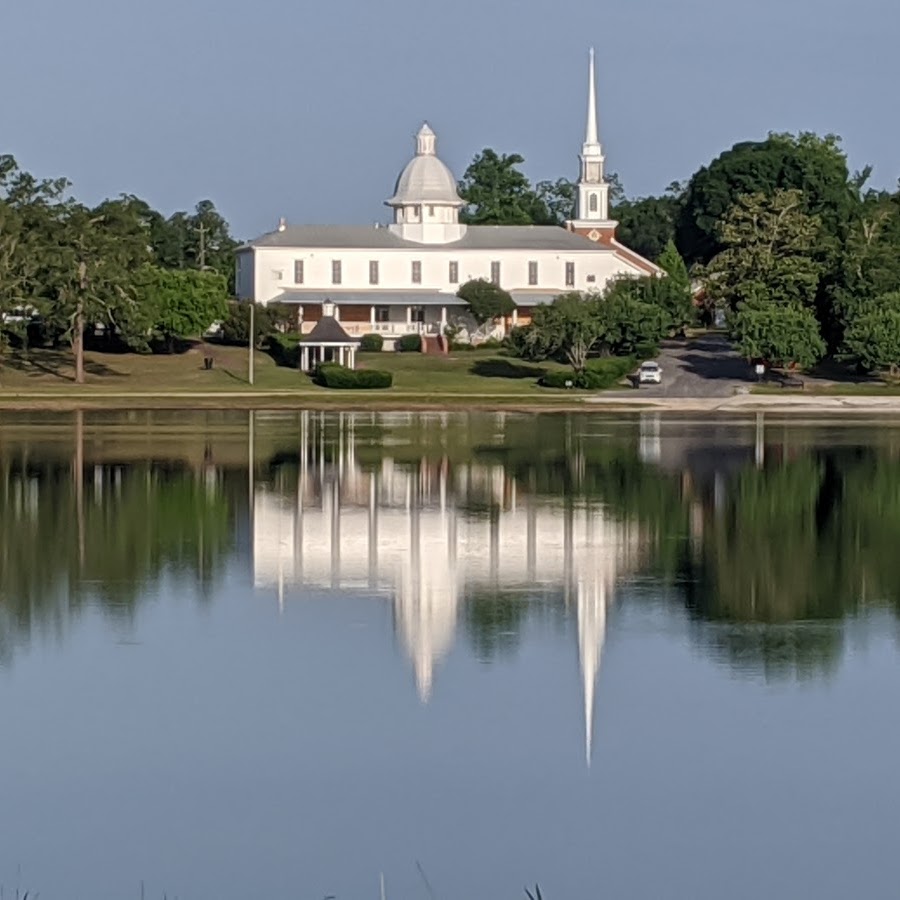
425 179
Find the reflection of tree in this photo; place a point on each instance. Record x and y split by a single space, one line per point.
795 545
494 622
136 524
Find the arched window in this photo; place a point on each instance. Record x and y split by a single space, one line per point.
592 203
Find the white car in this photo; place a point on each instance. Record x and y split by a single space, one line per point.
649 373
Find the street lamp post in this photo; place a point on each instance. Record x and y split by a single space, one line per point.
252 341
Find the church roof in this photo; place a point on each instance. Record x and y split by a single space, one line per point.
476 237
328 331
425 178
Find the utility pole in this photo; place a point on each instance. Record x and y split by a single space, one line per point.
202 229
252 339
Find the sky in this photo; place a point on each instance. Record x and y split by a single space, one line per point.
307 110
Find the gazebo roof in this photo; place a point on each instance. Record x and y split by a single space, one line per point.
329 331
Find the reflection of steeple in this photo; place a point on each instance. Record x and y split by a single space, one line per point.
591 612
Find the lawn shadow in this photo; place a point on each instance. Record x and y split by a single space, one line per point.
58 363
504 368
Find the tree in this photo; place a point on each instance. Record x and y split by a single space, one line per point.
572 326
558 198
814 166
88 278
778 335
646 225
768 254
497 193
872 336
181 304
674 292
487 301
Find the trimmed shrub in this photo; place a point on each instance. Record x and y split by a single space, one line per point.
285 349
600 374
409 343
371 343
331 375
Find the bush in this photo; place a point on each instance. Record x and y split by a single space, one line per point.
599 374
331 375
236 324
461 345
371 343
409 343
285 349
491 344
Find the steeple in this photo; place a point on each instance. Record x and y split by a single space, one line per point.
590 133
592 207
425 141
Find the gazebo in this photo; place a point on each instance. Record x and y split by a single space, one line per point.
328 342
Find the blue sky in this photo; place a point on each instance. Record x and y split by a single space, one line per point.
307 110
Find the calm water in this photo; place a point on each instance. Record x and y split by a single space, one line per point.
276 656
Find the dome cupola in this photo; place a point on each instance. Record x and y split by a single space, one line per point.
425 201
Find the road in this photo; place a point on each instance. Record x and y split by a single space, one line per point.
701 367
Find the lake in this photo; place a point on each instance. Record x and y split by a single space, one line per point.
284 654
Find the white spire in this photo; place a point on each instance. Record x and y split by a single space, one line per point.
592 202
590 133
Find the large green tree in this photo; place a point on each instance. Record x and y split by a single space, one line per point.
768 253
815 167
486 301
778 335
872 335
496 192
181 304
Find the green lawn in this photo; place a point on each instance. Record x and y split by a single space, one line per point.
460 377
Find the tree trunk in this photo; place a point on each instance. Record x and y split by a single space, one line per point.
78 344
78 335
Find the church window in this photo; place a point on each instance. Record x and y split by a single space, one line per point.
417 212
335 271
431 211
570 274
373 271
416 272
298 271
495 272
454 273
533 272
592 203
591 279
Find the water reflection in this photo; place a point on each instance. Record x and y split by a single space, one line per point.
434 535
768 534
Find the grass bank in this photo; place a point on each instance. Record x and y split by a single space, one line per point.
43 379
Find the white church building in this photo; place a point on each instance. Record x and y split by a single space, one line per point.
403 277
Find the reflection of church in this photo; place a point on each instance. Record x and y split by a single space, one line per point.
431 535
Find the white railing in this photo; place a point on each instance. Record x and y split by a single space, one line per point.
391 328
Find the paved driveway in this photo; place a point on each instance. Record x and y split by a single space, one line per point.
700 367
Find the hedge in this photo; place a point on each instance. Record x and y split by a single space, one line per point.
371 343
285 349
331 375
599 374
409 343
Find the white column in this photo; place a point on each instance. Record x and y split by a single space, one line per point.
340 356
352 363
515 317
304 358
372 317
443 319
408 318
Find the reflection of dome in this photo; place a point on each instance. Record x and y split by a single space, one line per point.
425 179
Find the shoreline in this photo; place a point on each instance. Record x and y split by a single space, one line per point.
358 401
